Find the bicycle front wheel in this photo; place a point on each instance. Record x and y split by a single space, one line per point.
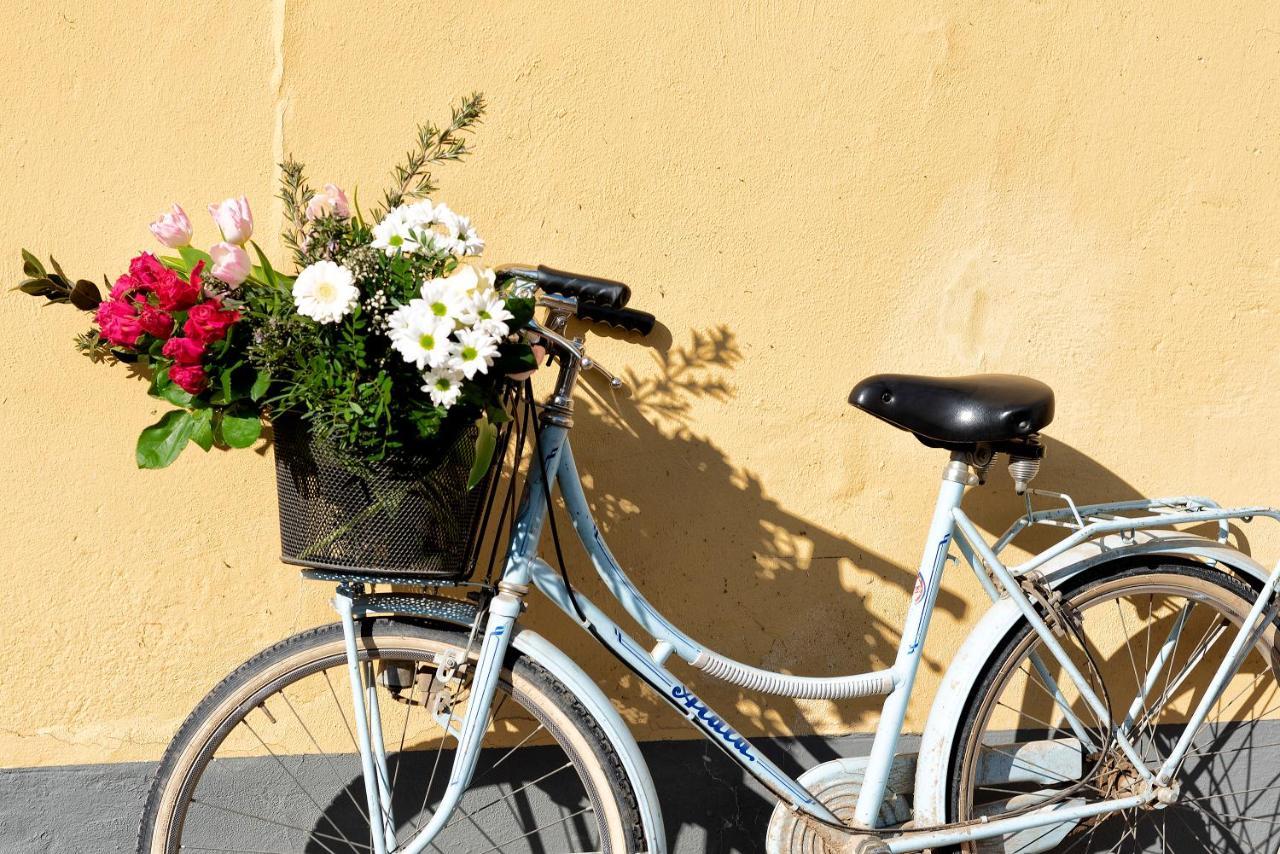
268 761
1149 638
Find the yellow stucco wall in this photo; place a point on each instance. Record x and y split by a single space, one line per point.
804 193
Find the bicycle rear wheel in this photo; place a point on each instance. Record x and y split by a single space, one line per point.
268 763
1021 747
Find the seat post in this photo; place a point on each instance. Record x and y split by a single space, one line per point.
955 478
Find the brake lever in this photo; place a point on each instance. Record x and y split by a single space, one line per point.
592 365
574 349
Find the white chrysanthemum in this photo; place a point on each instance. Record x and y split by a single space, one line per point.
460 235
407 229
445 299
419 336
486 312
444 384
467 279
421 214
474 353
325 292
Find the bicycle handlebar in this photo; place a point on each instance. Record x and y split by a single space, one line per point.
630 319
594 299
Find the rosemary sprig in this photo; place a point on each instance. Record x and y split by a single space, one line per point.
412 178
295 193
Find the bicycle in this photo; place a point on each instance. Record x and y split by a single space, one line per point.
1077 716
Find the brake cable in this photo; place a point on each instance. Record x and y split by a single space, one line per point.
551 510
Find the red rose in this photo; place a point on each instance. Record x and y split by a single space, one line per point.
154 321
147 271
119 323
184 351
125 286
209 321
189 378
173 293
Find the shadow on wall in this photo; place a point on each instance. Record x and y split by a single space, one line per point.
707 545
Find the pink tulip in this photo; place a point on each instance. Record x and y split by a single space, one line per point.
231 263
234 220
173 229
330 201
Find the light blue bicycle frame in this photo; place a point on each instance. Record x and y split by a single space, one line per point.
524 568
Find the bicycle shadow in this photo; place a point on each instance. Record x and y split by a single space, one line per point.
714 551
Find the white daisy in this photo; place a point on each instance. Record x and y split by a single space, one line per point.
460 235
466 279
473 354
444 385
421 215
325 292
445 299
418 335
395 233
407 229
487 312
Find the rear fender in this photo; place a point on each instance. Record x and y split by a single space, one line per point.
933 772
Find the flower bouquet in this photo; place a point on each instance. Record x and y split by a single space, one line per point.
383 364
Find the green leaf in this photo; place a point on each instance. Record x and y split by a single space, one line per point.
163 388
355 206
521 309
269 273
160 444
202 428
241 429
192 256
485 444
31 265
260 385
85 295
39 288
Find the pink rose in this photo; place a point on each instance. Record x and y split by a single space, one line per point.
154 321
330 201
231 263
119 323
184 351
189 378
234 220
209 321
173 229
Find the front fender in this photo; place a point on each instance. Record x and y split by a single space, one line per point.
565 669
933 771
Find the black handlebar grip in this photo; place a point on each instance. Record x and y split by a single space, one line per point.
623 318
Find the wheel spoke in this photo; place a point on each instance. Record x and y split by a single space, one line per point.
315 834
327 759
298 783
1232 792
538 829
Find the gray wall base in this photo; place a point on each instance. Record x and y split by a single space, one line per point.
707 803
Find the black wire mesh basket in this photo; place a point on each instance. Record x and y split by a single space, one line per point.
411 516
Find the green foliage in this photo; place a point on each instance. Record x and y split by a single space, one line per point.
486 442
56 286
295 193
160 444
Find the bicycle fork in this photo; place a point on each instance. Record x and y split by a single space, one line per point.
503 611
